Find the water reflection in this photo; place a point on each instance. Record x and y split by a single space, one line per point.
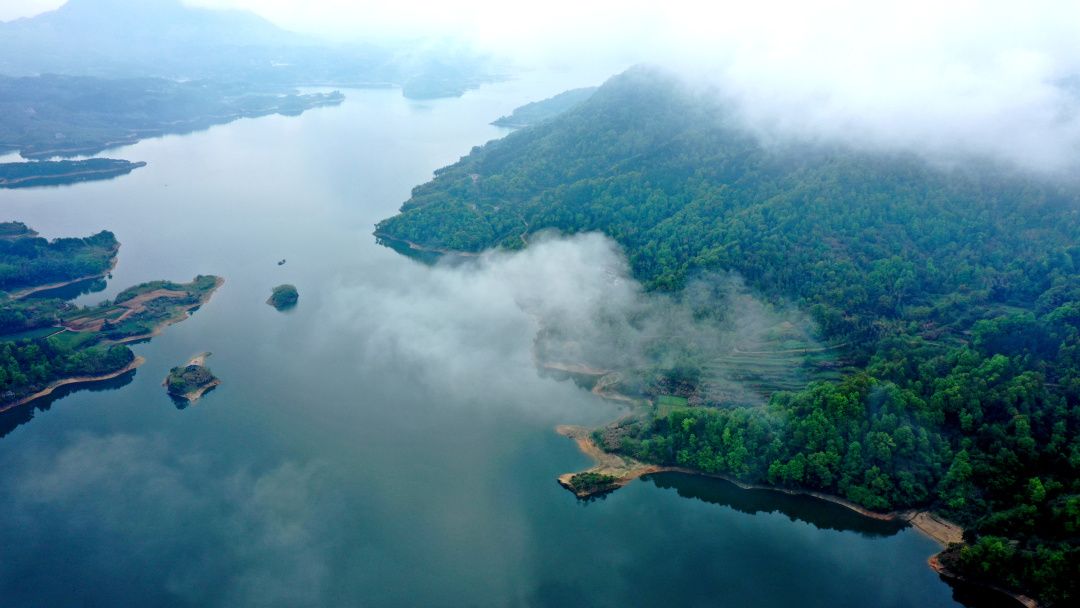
14 418
71 291
819 513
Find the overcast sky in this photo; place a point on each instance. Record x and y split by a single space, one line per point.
961 75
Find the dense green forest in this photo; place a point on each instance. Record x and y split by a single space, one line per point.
30 356
954 292
187 379
538 111
27 366
27 260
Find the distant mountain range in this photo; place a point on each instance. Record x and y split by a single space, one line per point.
165 38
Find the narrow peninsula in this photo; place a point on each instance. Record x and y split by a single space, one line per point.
58 173
65 122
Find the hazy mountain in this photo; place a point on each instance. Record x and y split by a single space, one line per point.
134 38
946 291
165 38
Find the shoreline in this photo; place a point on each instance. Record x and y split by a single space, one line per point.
18 295
632 469
942 531
51 388
935 564
425 248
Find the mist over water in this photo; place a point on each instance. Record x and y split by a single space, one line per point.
984 80
389 441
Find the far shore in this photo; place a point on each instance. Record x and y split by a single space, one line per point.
48 390
70 177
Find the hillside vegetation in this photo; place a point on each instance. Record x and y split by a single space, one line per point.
955 295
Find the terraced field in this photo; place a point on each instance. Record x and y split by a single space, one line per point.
751 372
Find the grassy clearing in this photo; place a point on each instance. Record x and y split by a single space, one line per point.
671 401
30 334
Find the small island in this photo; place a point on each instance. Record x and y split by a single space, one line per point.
190 382
590 483
283 297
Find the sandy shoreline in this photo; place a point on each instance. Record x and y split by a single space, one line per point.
625 470
48 390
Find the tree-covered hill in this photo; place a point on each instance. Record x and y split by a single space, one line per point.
956 291
539 111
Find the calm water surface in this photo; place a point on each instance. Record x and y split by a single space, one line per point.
351 457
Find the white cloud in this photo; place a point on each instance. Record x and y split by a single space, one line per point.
962 77
965 76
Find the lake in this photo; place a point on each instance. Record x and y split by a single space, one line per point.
387 442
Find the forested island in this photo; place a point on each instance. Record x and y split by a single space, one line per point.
188 383
949 300
57 173
46 343
283 297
